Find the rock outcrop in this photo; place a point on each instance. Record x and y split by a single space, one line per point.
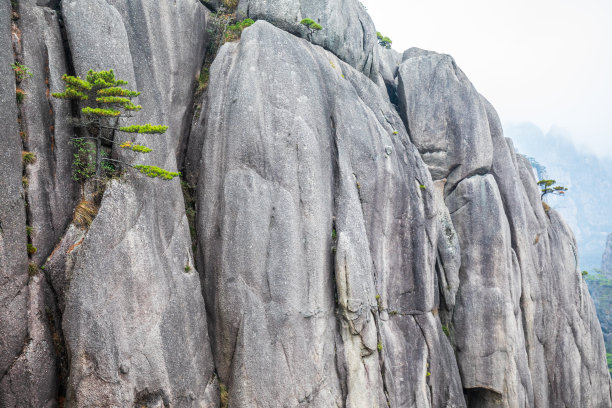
348 31
315 228
534 304
134 317
365 235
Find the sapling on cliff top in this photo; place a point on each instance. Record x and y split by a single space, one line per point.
550 187
312 27
107 101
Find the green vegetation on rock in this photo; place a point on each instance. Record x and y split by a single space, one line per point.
234 31
106 103
383 40
21 71
312 26
600 288
549 187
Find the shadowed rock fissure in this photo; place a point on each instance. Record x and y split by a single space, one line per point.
54 311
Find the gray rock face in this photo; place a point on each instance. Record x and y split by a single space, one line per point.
315 236
606 259
13 255
348 31
134 318
347 254
52 193
389 61
521 302
447 121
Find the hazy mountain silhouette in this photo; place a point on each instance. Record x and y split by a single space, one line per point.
587 205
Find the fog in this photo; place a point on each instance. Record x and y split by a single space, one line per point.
546 62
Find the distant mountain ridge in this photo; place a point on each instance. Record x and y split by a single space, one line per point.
589 180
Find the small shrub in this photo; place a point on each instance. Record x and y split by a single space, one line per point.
384 41
25 182
546 207
395 132
379 346
32 269
422 187
31 249
20 95
585 273
230 4
28 158
187 268
234 31
84 213
21 71
29 230
24 136
312 27
446 331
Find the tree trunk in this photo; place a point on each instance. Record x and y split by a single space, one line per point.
98 159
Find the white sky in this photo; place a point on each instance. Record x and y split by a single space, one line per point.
544 61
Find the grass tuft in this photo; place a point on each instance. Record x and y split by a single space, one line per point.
28 158
84 213
33 269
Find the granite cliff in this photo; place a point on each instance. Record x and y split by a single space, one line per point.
355 230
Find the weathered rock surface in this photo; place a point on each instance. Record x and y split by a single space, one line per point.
347 254
521 302
348 30
52 193
389 61
134 318
315 235
13 255
448 120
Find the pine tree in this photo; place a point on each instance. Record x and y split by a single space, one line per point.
106 102
312 27
384 41
549 187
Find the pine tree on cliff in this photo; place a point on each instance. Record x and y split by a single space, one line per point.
106 102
